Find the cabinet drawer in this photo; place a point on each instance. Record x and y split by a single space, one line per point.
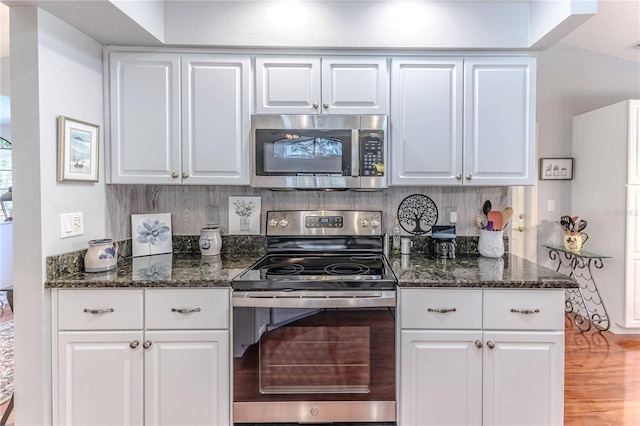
187 309
524 309
445 309
106 309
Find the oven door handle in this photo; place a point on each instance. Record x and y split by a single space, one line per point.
310 299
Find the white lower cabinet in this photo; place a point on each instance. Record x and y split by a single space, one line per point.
455 370
134 374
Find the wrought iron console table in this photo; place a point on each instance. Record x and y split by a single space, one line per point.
585 301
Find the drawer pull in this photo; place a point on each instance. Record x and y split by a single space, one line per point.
99 311
147 344
525 311
134 344
185 310
478 344
441 311
490 344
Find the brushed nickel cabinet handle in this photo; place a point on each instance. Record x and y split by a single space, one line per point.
525 311
441 311
185 175
175 175
468 177
98 311
185 310
314 105
147 344
478 344
134 344
459 176
325 105
490 344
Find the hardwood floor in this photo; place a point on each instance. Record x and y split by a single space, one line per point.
6 315
602 378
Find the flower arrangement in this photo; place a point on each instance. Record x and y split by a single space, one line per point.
244 208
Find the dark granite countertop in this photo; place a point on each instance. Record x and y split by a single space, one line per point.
415 270
164 270
473 270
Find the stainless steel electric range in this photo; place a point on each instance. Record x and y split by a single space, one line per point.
319 310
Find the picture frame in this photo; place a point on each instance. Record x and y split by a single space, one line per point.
244 215
78 155
556 168
151 234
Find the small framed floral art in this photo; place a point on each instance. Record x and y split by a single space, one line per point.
151 234
244 215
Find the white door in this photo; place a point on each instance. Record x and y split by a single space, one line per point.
215 120
499 121
355 86
440 378
426 121
100 378
145 118
523 378
187 377
288 85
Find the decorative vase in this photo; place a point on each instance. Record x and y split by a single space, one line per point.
101 256
210 241
573 240
244 223
491 244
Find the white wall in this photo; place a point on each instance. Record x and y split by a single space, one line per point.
56 70
572 81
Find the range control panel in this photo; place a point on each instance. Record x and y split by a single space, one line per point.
324 222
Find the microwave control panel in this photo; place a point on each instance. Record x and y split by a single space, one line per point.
371 153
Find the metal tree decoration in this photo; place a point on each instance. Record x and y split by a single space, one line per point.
417 214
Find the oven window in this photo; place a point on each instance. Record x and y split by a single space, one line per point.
294 152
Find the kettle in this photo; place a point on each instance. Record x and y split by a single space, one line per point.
101 256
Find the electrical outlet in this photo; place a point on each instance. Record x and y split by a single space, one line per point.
453 217
551 205
71 225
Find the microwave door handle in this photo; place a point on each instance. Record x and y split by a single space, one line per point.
355 153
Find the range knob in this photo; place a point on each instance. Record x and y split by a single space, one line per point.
375 223
283 223
273 223
364 223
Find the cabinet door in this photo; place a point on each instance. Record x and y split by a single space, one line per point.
215 120
426 121
523 378
100 378
287 85
633 143
355 86
632 262
145 118
440 378
187 378
499 121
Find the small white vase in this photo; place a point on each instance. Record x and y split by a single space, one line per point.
491 244
210 241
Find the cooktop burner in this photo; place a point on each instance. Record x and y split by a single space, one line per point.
317 271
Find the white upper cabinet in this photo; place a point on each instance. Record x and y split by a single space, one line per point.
145 117
312 85
426 116
463 121
179 118
499 121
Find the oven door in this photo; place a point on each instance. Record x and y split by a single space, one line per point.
332 360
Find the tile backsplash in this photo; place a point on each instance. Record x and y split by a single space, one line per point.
187 204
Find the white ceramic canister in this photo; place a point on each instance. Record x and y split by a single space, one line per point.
101 256
210 241
491 244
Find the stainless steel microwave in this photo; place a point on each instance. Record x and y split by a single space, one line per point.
319 151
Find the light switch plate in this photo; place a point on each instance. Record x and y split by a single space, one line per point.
71 224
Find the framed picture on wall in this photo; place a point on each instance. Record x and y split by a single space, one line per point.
77 150
556 168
